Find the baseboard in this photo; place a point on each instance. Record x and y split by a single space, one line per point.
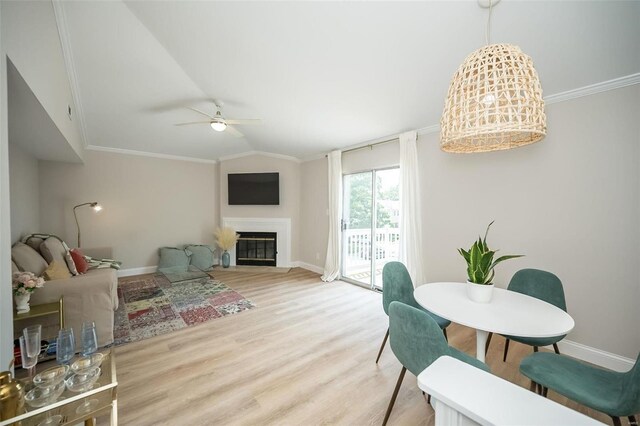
307 266
137 271
595 356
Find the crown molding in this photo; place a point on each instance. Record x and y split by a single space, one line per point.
148 154
592 89
263 153
67 54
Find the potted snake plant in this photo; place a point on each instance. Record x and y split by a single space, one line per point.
480 268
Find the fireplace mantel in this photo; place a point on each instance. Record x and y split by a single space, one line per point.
281 226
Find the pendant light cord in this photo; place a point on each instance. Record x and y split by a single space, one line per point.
487 33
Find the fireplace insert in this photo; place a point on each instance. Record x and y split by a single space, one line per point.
257 248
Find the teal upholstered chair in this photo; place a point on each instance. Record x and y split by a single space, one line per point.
541 285
613 393
417 341
397 286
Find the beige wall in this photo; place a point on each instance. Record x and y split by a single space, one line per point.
6 297
570 203
24 190
32 42
289 192
314 223
148 203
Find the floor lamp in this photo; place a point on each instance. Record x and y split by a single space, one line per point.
94 205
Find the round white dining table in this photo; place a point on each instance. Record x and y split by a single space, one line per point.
509 312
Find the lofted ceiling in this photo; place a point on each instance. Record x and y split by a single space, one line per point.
321 75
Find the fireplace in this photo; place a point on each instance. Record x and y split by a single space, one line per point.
257 248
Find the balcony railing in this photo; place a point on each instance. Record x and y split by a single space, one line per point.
358 244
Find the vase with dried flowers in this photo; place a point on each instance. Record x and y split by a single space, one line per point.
25 283
226 239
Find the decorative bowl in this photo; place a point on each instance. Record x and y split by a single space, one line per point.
41 396
86 364
83 382
51 376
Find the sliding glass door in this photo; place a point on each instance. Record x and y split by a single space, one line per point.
370 225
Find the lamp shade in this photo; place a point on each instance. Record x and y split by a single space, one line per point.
494 102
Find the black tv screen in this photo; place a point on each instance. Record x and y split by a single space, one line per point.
254 189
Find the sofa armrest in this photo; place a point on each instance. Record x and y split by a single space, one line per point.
89 297
98 252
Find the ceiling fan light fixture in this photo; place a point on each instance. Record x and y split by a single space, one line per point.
218 125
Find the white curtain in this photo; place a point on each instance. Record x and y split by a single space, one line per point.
332 264
410 210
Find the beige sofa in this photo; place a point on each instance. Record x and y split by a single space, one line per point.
92 296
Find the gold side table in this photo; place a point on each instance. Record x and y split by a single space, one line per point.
105 391
43 310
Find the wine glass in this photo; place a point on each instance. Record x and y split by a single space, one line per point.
40 396
89 338
49 386
65 346
32 345
28 362
82 383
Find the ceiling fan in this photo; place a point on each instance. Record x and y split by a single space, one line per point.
219 123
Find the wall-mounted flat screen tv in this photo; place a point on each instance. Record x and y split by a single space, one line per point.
261 189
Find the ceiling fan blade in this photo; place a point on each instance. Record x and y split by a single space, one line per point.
233 131
243 121
200 112
192 122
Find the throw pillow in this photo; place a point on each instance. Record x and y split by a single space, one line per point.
27 259
201 257
53 249
70 263
172 258
56 271
78 259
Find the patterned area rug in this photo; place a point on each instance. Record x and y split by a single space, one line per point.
151 305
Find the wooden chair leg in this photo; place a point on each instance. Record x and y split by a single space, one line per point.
533 387
633 421
384 342
506 350
616 421
535 349
393 397
444 331
544 391
555 348
428 399
486 347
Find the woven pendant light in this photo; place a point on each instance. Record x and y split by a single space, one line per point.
494 102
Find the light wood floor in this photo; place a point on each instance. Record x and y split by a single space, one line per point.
304 356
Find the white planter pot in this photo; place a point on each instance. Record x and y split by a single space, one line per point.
480 293
22 302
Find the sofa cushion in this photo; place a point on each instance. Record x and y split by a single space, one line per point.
53 249
34 243
201 256
172 258
27 259
78 259
56 271
14 268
